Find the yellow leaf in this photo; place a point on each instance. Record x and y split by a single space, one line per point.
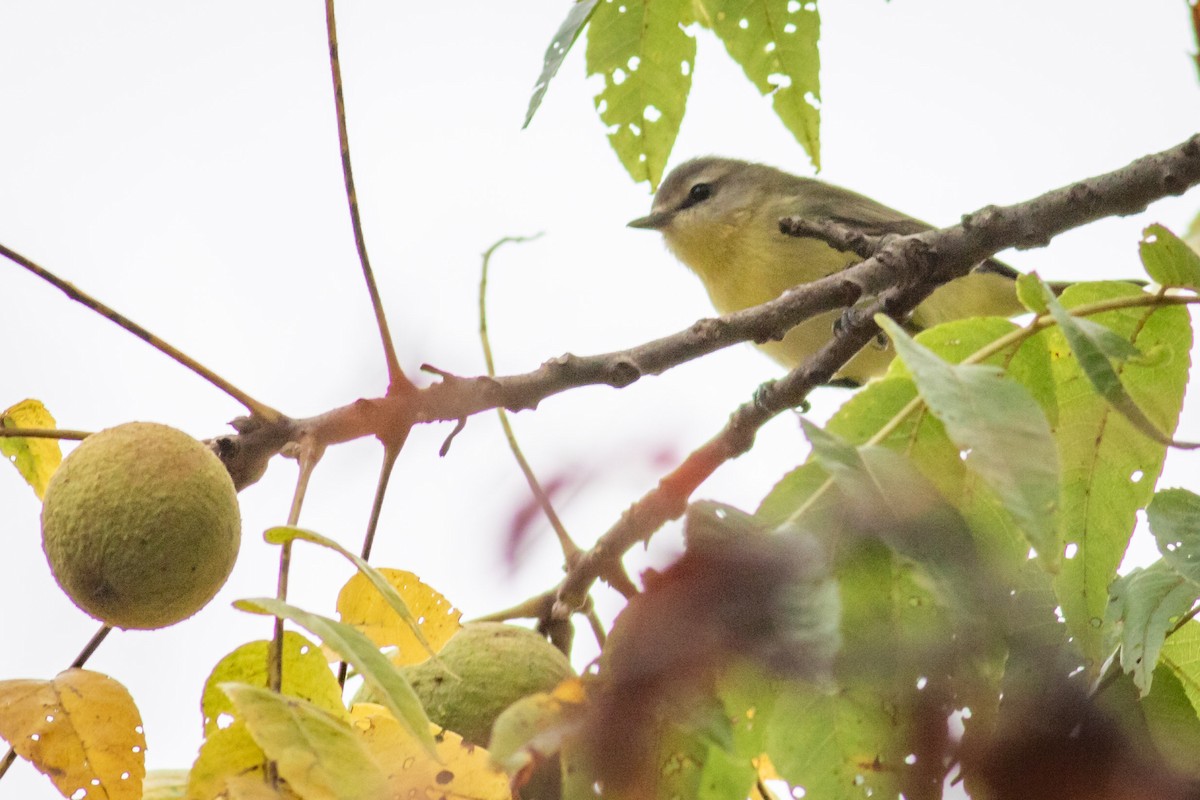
462 771
360 605
255 787
82 729
227 753
317 753
35 459
306 675
165 784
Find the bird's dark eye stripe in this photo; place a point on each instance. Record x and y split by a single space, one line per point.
698 194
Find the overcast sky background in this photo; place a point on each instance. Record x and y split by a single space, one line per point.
180 161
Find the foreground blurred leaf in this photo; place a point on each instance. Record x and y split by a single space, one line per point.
361 604
81 729
775 42
645 57
1181 655
359 651
317 753
306 675
460 770
1168 259
1109 467
560 45
1003 432
1146 605
35 459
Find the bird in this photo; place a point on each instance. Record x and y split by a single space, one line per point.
720 217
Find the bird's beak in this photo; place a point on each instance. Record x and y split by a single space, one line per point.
653 222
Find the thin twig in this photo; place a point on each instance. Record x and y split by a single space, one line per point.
253 406
570 550
390 453
398 382
43 433
80 660
309 456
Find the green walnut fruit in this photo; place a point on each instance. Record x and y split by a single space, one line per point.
495 665
141 525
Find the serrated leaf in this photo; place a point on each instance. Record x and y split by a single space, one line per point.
560 45
775 42
35 459
1109 467
306 675
1093 345
318 754
1181 655
1003 430
1168 260
1145 605
385 590
81 729
361 652
461 770
361 604
646 59
1174 518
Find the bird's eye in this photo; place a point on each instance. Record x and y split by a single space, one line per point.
699 193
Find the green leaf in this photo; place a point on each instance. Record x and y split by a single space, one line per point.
1110 467
646 59
283 534
839 745
1174 517
165 784
1093 345
1172 722
775 42
390 686
36 459
1000 426
1030 291
315 752
306 675
1145 605
1181 655
725 776
560 45
1168 259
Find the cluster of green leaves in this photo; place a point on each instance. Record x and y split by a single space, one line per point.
645 52
974 506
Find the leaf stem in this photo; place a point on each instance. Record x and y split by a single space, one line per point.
43 433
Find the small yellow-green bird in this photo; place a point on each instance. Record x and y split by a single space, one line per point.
720 217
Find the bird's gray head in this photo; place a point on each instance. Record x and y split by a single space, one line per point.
707 189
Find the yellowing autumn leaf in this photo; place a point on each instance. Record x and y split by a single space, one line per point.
317 753
461 771
81 729
360 605
227 753
35 459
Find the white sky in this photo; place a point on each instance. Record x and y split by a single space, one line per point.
179 160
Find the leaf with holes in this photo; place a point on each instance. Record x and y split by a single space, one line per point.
645 58
560 45
431 616
306 675
1168 259
360 652
775 42
1003 431
1174 518
36 459
81 729
1109 467
460 770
